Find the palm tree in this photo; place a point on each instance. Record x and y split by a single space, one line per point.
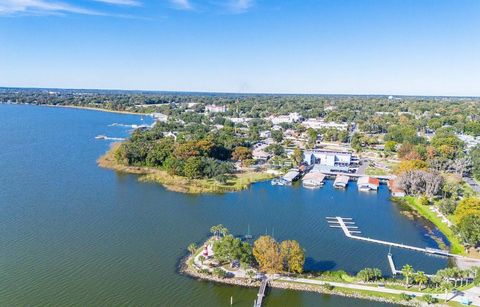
214 230
455 273
437 279
446 286
407 272
421 278
223 230
192 248
377 273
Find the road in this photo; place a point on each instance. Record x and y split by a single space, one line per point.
473 184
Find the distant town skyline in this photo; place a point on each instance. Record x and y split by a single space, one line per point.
393 47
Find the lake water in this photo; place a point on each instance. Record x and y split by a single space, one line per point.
74 234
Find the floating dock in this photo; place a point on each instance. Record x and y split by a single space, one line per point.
346 224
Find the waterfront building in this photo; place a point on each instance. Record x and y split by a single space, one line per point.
367 183
394 189
291 176
329 161
313 180
341 181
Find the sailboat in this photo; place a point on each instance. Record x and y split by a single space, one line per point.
248 235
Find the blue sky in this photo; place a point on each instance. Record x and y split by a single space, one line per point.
415 47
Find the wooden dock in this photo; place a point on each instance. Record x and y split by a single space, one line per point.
261 292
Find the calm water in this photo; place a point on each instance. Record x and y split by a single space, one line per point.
74 234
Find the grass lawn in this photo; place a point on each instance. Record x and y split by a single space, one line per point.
455 246
375 171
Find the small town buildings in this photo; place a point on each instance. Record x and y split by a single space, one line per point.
239 120
290 118
159 117
341 181
366 183
318 123
469 140
265 134
215 109
394 189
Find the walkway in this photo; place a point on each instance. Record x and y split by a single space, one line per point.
261 292
450 296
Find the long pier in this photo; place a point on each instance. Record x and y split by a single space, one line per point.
261 292
347 224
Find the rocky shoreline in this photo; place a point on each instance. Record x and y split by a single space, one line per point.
191 271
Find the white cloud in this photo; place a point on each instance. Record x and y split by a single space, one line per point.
239 6
182 4
41 7
121 2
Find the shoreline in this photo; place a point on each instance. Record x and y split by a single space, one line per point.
91 109
180 184
186 268
455 246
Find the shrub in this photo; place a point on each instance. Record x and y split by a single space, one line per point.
429 299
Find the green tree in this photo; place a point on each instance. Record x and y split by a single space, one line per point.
297 156
277 136
420 278
407 272
192 247
312 135
446 286
193 168
390 146
429 299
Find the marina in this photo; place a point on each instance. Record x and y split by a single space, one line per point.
117 233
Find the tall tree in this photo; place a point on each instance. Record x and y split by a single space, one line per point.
407 272
293 256
267 253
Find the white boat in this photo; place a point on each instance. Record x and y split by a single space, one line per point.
279 181
311 184
101 137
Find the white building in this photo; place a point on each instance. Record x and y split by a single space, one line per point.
159 117
215 109
290 118
239 120
315 123
328 158
469 140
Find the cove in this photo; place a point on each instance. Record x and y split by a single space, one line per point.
76 234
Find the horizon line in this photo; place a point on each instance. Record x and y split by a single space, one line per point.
235 93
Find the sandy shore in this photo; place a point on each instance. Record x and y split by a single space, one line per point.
92 109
